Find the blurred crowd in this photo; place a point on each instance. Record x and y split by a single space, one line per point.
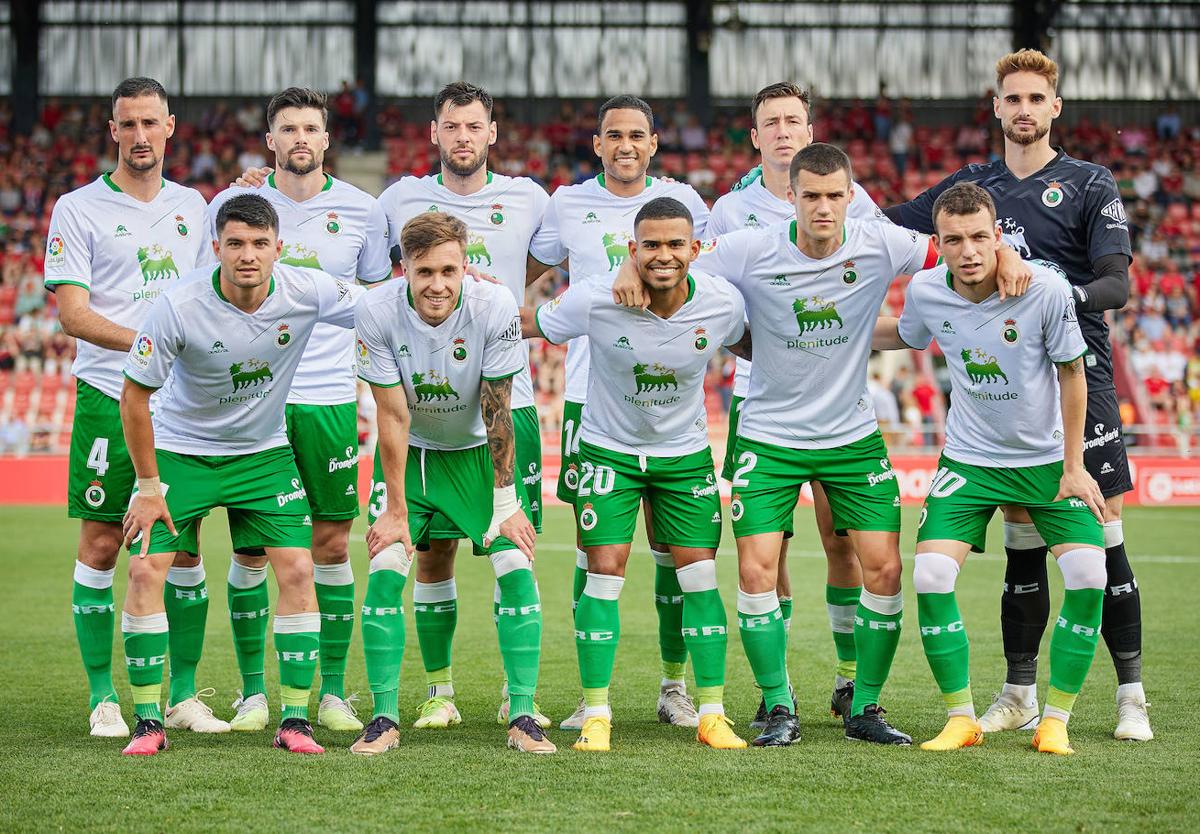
894 154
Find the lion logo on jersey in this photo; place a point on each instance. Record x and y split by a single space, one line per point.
477 251
616 246
156 263
255 373
654 378
437 389
297 254
981 367
821 316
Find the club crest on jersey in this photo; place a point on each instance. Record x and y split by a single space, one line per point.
437 388
477 251
459 351
1010 334
497 215
587 517
701 341
94 494
982 367
331 223
736 508
250 374
821 315
616 247
364 359
283 336
156 264
181 226
849 274
655 377
1053 195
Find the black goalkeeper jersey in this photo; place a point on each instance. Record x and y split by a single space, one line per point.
1069 214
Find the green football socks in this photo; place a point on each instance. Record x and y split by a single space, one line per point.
765 641
668 602
876 636
518 628
597 632
435 606
383 631
297 645
95 620
335 600
704 629
249 606
842 604
145 654
185 597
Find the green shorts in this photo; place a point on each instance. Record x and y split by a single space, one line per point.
456 484
528 451
568 467
962 499
261 491
685 503
325 440
101 475
858 480
735 411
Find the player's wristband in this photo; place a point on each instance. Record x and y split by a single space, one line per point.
149 487
504 504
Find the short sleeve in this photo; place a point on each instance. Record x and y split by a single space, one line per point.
567 315
863 207
68 248
910 251
504 352
376 363
1104 218
699 210
374 259
336 300
912 329
726 255
718 221
1060 326
156 346
737 316
387 204
547 244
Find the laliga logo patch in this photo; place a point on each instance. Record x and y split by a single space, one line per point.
588 517
708 245
364 360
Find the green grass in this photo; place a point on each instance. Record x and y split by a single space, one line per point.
53 776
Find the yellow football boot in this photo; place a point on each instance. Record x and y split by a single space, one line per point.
1051 737
716 731
595 734
960 731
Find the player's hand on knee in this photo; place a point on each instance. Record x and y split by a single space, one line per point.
627 288
389 528
518 530
253 177
143 512
481 276
1078 483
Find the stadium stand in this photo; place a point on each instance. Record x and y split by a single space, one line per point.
895 155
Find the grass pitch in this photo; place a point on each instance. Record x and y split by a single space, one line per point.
54 777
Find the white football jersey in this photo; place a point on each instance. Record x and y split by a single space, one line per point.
442 367
592 227
1004 408
646 381
231 370
126 253
501 219
342 232
812 322
754 207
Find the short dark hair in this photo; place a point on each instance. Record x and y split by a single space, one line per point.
460 94
663 208
624 102
138 86
303 97
429 229
819 158
963 198
782 89
251 209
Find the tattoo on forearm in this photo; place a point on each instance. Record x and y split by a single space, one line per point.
495 403
1075 366
743 347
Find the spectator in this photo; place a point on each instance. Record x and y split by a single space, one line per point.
900 140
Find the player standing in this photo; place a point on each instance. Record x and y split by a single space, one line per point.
447 351
591 225
1068 212
501 214
644 436
1008 442
781 114
114 246
230 339
326 224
